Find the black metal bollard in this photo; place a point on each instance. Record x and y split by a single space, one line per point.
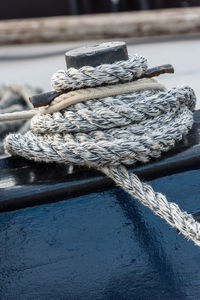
105 53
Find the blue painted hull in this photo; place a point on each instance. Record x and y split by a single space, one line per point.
102 245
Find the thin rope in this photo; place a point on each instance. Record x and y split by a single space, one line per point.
88 76
19 115
74 97
113 132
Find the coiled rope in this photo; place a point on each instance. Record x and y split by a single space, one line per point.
113 132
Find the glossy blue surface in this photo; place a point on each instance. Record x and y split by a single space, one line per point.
101 246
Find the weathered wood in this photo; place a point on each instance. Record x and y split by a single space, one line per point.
101 26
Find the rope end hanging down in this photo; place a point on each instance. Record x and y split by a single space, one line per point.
108 117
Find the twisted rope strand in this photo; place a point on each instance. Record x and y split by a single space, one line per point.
157 202
114 131
87 76
114 146
67 99
114 112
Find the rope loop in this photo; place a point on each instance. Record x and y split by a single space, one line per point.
87 76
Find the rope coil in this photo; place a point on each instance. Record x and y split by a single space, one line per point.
115 131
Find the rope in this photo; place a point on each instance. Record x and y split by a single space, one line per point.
67 99
113 132
73 97
18 115
13 99
118 72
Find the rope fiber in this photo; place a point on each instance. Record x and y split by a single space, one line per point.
113 132
13 100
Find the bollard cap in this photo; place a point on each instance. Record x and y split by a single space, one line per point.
104 53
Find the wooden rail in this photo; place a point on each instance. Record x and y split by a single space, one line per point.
101 26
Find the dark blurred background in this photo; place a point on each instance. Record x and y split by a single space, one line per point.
12 9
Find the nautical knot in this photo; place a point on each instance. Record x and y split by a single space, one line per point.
113 132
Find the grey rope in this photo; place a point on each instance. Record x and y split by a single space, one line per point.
121 71
14 98
113 132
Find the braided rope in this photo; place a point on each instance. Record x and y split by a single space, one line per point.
121 71
112 132
157 202
66 99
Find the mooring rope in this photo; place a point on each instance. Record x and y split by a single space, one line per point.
14 99
113 132
67 99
